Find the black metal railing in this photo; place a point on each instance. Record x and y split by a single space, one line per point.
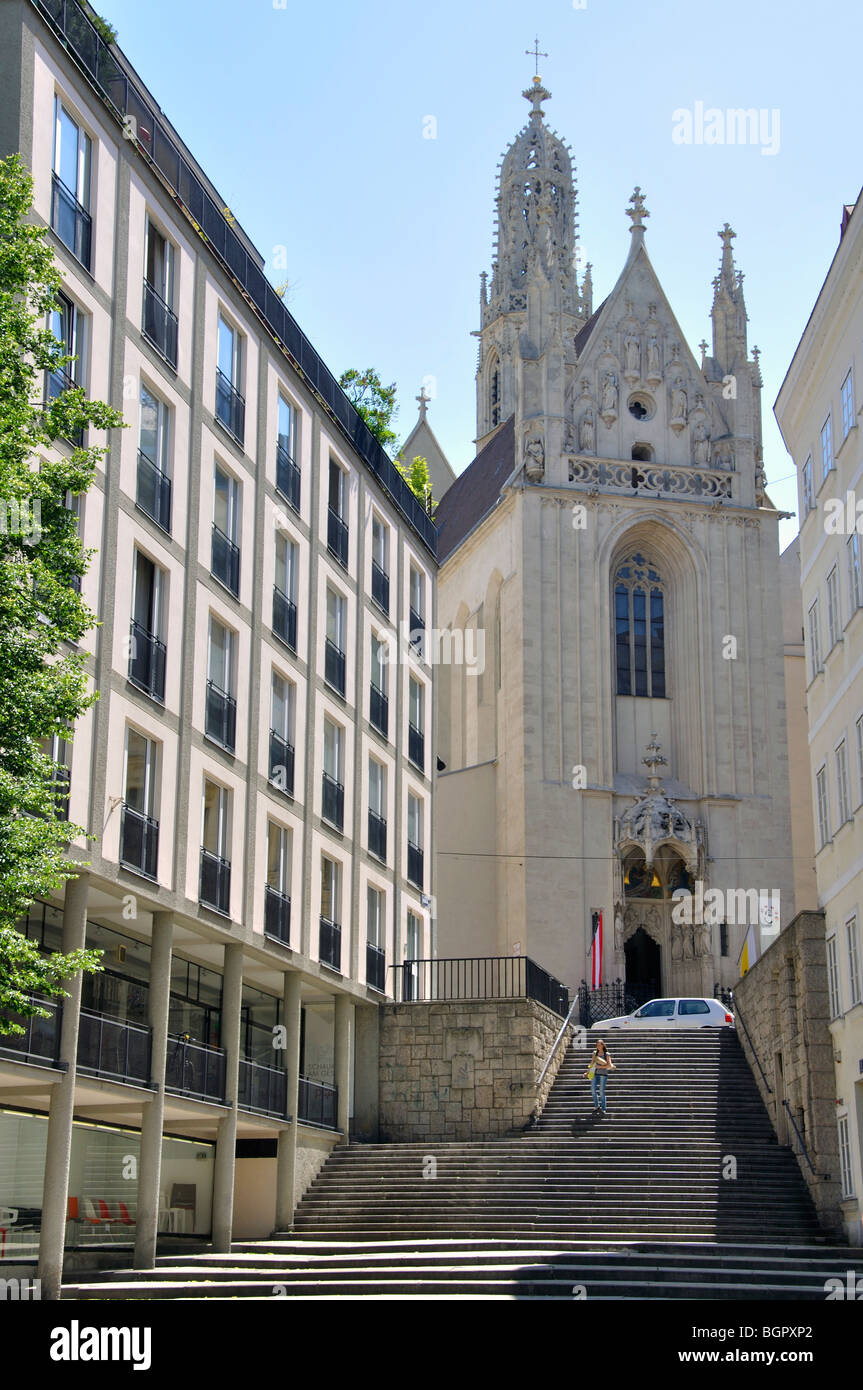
262 1089
215 887
153 493
147 660
221 720
71 221
194 1069
416 747
330 943
377 835
40 1041
285 618
277 915
417 631
376 967
337 537
159 324
58 380
287 477
332 800
245 266
225 561
230 407
281 770
334 666
380 587
415 864
139 842
114 1047
479 977
379 709
317 1103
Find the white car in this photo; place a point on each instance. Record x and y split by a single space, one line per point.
673 1013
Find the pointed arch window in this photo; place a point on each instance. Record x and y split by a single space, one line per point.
639 626
494 392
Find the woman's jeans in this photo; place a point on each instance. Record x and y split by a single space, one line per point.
597 1085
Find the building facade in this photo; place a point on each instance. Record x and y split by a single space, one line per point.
257 769
614 541
820 421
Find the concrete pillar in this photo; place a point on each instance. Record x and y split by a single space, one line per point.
286 1159
226 1144
150 1166
59 1144
366 1068
342 1059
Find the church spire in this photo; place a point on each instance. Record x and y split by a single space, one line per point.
729 308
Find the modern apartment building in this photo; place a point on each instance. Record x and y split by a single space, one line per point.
819 415
257 771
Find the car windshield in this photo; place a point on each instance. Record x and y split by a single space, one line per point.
657 1008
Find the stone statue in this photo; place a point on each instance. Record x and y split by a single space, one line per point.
587 433
534 457
688 943
618 931
632 354
609 396
654 371
678 401
702 933
676 942
701 444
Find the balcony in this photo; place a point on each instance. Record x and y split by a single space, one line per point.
221 720
225 562
330 944
376 967
281 771
416 747
285 618
40 1041
230 407
192 1069
71 221
415 864
153 494
377 835
277 915
334 666
317 1103
287 477
147 657
332 801
139 842
381 587
215 889
263 1090
337 537
159 325
114 1048
379 709
417 631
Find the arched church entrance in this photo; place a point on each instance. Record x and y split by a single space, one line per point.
643 958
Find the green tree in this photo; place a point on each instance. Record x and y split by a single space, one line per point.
374 401
418 480
44 687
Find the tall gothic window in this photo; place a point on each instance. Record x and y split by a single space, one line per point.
494 393
639 625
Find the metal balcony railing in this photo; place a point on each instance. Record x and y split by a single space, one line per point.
277 915
71 221
317 1103
147 660
57 381
159 324
153 494
416 747
379 709
287 477
261 1089
334 666
479 977
285 618
215 887
417 631
332 800
40 1041
377 835
193 1069
225 562
330 943
221 720
415 864
230 407
380 587
376 967
139 842
337 537
114 1048
281 770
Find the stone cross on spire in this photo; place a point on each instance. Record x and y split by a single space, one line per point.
654 760
423 401
637 210
535 54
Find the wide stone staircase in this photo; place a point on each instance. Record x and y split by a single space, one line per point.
680 1191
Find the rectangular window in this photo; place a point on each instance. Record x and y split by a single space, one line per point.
282 706
845 1170
826 447
230 353
414 937
337 530
821 799
855 570
332 750
147 652
833 979
330 889
214 829
416 705
380 564
220 662
70 200
374 917
377 787
159 265
154 434
140 773
159 322
416 736
847 404
68 326
417 595
230 404
148 602
834 621
814 640
808 494
855 974
336 607
415 841
287 472
337 490
225 558
287 559
378 701
278 858
221 707
842 783
286 427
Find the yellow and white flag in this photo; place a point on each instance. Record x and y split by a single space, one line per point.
749 954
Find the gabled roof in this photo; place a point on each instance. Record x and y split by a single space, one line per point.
583 334
475 491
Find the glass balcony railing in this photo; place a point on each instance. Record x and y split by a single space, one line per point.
139 842
330 943
230 407
378 710
285 618
153 494
337 537
287 477
225 561
333 801
376 967
377 835
277 915
71 221
221 720
215 887
147 660
159 324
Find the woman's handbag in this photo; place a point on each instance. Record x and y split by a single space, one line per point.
591 1072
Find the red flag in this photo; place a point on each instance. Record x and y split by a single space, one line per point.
596 951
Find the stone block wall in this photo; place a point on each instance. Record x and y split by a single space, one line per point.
784 1002
464 1069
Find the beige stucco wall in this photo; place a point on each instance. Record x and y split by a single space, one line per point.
799 776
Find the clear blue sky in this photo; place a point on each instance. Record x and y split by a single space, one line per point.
309 120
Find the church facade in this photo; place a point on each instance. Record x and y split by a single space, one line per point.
613 542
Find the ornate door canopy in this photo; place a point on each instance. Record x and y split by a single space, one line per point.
655 819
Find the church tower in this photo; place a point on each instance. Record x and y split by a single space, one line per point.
613 554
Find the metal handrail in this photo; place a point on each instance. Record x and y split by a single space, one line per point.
739 1017
803 1148
563 1027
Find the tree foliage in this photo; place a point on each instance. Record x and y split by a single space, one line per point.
375 402
417 478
